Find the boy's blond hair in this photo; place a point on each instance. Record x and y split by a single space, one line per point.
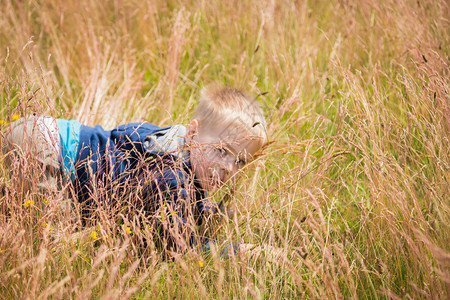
238 113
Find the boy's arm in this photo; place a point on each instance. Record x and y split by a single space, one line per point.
269 252
174 206
207 207
181 227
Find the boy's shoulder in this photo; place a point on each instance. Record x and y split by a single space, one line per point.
168 140
148 137
155 140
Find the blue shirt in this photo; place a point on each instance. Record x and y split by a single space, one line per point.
137 158
99 160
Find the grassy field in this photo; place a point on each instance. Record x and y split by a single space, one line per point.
354 186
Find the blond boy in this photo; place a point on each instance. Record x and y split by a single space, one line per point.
165 171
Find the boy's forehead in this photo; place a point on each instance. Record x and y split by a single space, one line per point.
235 138
237 126
242 146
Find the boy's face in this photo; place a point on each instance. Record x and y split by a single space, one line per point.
216 155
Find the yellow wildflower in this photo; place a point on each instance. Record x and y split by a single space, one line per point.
45 201
94 235
3 122
201 264
128 230
47 226
15 118
28 203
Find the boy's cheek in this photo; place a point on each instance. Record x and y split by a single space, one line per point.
202 176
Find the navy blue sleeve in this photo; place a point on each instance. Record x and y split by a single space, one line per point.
130 137
173 186
175 191
185 207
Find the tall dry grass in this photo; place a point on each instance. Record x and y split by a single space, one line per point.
354 187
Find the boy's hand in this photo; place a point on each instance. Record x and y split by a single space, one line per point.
228 212
215 208
271 253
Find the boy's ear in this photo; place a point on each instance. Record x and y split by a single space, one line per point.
192 130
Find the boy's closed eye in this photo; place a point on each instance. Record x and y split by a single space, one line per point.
240 162
221 150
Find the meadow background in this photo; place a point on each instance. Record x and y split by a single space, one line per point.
354 186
